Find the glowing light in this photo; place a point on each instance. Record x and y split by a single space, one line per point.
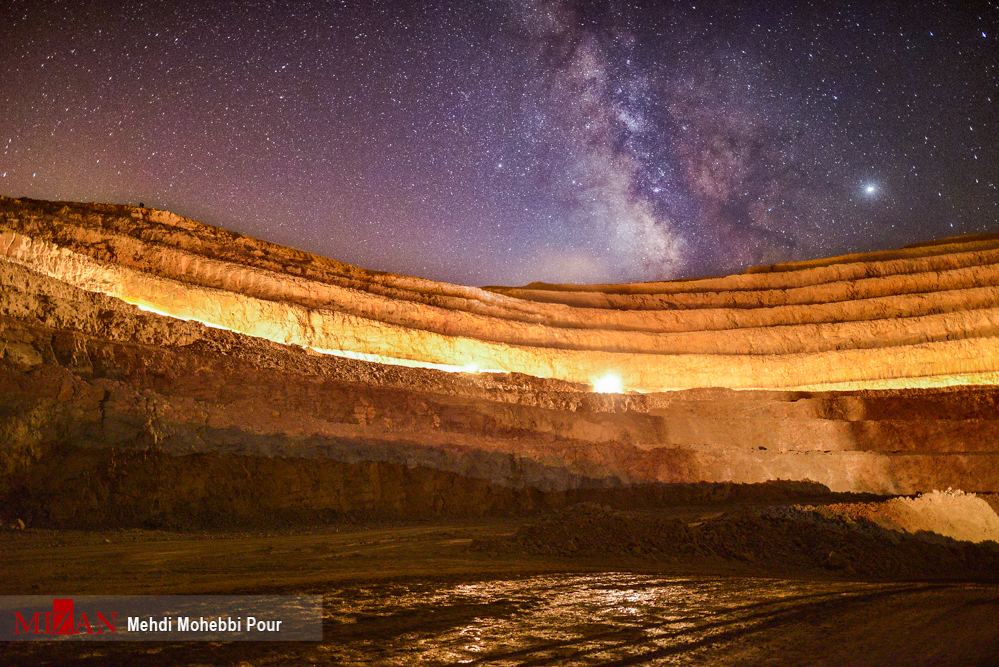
396 361
608 384
147 308
346 354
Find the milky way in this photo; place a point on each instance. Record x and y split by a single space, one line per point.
515 141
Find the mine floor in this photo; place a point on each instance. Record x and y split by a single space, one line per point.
436 593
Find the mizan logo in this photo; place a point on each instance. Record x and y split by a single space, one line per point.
62 621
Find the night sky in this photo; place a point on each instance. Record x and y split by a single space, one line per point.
512 141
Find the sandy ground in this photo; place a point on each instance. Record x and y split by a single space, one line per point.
141 562
150 562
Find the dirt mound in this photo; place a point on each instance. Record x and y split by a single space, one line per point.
955 514
784 540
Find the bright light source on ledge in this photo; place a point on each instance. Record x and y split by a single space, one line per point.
608 384
470 368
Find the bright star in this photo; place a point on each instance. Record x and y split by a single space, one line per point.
870 189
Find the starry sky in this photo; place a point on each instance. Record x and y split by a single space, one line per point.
510 141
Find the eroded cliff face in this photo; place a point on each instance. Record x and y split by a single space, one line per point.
112 413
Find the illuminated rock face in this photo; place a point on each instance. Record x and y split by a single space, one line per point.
921 316
107 403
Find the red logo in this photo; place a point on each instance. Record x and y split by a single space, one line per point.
62 621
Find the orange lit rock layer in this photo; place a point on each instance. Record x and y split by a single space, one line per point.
922 316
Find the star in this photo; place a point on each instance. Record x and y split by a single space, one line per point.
545 140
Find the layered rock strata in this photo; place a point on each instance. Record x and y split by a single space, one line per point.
111 412
922 316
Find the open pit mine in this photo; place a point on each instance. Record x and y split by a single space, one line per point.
158 371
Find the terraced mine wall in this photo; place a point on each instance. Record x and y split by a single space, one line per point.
921 316
112 412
